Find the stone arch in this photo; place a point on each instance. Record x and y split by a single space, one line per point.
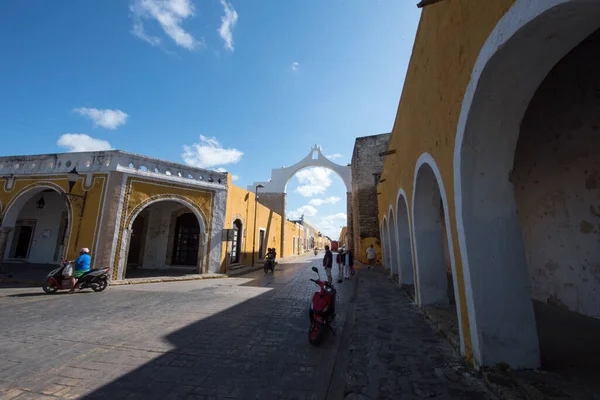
529 40
395 265
404 240
126 230
431 258
281 176
19 200
385 241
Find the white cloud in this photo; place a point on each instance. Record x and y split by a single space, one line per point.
334 156
170 15
331 224
320 202
109 119
313 181
335 217
76 142
209 153
228 21
295 65
307 211
235 178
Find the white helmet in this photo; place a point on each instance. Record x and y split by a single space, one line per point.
84 250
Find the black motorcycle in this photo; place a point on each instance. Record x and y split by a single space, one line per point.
270 261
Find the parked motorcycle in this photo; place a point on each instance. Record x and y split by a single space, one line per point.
322 310
270 261
96 279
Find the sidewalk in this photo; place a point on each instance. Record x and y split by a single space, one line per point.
246 269
395 353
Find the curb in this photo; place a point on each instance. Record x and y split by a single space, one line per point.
139 281
337 382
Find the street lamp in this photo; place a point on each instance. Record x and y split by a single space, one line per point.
72 177
255 212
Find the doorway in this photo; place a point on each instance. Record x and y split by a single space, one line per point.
185 251
261 244
22 239
236 245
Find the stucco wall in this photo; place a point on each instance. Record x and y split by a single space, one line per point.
448 41
557 182
241 204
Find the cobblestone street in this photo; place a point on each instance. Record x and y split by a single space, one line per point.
225 338
394 353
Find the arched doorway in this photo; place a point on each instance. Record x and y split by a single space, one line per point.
404 242
394 267
385 248
38 225
166 237
436 277
524 167
236 244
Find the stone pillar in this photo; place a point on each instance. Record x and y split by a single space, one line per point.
349 232
4 232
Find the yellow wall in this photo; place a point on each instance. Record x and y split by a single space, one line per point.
241 204
141 192
448 42
83 229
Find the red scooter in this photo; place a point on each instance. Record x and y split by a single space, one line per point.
322 310
97 279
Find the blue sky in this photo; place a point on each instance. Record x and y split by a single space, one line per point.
246 85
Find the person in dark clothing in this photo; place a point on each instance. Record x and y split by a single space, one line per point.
348 264
328 264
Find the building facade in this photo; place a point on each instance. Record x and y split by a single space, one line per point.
367 165
489 191
131 211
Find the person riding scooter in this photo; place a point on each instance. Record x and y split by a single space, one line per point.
82 265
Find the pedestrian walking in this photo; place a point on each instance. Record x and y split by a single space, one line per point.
328 264
371 256
348 264
339 260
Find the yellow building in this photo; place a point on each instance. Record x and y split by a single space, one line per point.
131 211
491 177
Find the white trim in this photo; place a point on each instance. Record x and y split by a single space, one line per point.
113 252
427 159
393 243
522 13
402 193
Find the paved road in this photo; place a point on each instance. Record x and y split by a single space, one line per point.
225 338
394 353
243 338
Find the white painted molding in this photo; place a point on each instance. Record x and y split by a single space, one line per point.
427 159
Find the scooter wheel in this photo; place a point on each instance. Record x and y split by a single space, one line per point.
99 284
266 269
49 288
315 333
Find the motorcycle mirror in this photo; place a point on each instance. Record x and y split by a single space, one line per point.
315 269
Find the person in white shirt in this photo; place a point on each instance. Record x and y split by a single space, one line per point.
371 257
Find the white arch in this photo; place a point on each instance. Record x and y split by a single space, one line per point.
385 244
281 176
427 160
393 242
405 252
14 207
525 45
204 236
